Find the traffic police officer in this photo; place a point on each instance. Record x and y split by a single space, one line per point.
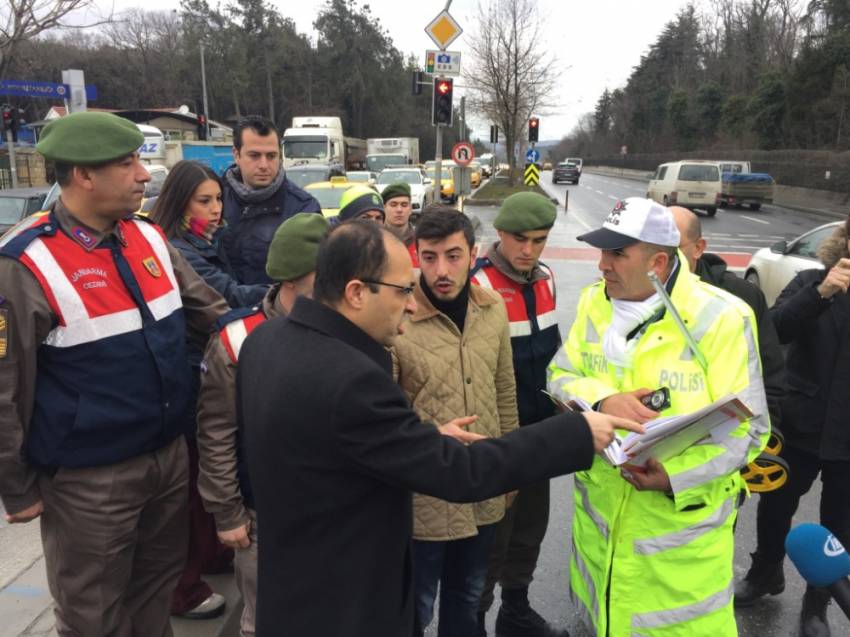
223 481
512 267
95 379
653 551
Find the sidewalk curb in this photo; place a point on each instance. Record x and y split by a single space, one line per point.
26 607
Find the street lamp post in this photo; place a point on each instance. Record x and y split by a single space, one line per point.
204 91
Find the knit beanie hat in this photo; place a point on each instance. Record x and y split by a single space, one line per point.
357 200
295 245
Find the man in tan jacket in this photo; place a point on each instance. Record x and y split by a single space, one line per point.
454 358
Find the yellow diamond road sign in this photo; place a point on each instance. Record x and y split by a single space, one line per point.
443 30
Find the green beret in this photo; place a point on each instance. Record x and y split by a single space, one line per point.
397 189
524 211
89 138
295 245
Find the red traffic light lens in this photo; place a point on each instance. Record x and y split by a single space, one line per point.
533 123
444 87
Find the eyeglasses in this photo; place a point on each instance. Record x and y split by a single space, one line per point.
407 289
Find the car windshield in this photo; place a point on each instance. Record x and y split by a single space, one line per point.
698 172
12 209
377 163
446 173
359 177
306 148
303 177
327 197
567 164
406 176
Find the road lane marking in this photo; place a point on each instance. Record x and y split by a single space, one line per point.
767 223
613 197
599 192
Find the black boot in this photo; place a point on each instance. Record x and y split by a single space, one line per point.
482 628
813 618
518 619
763 578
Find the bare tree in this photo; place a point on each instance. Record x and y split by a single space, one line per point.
22 20
512 74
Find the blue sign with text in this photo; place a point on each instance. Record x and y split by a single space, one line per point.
49 90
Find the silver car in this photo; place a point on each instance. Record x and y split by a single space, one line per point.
771 269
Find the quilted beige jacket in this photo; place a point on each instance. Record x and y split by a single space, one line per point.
445 375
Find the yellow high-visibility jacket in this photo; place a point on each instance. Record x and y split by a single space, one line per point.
646 563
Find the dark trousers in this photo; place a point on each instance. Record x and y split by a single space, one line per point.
516 545
776 508
206 553
114 542
459 568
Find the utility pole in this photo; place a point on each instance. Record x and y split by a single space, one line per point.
204 91
13 165
463 118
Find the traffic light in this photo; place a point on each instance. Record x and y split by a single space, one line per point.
8 114
494 134
202 127
418 76
533 129
441 112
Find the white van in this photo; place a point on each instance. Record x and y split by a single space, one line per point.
577 161
689 183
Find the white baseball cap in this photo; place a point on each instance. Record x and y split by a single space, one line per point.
633 220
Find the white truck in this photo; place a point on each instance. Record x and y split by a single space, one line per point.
319 140
391 151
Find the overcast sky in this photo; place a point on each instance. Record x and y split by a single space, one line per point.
597 42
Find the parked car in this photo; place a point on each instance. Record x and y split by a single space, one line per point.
306 174
547 165
771 269
328 193
17 203
421 185
362 177
692 184
566 171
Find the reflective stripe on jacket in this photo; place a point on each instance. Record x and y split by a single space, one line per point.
664 562
113 379
535 338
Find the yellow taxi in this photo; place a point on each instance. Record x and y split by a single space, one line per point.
447 185
475 174
328 194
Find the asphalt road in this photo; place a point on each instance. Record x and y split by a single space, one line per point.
731 230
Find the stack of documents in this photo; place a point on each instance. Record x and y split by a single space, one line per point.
670 435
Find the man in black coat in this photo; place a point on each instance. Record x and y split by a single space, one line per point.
335 449
812 316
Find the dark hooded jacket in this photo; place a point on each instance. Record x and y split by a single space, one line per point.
816 410
712 269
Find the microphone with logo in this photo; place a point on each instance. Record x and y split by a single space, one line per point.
821 560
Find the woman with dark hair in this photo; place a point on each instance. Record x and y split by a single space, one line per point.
189 212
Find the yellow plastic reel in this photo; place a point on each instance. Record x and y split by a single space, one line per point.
775 442
766 473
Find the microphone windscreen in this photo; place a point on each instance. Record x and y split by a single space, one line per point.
817 554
